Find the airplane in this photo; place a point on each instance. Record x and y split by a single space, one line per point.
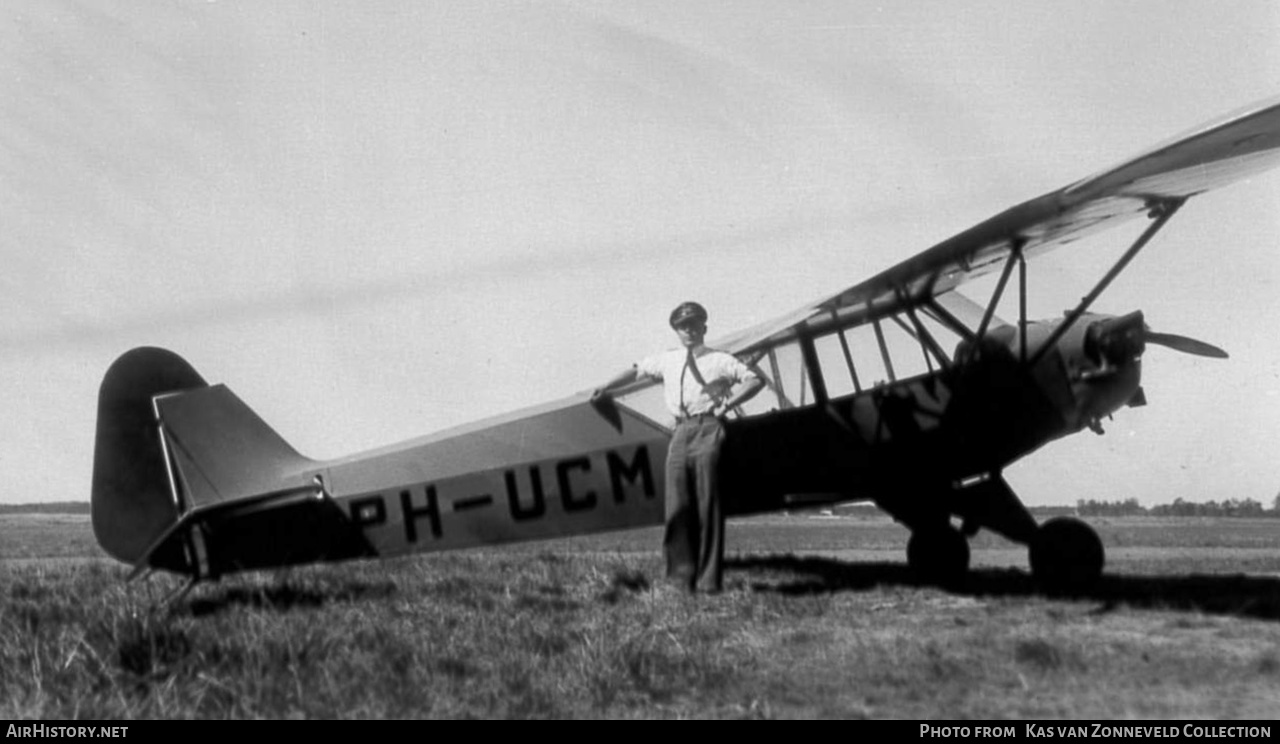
898 390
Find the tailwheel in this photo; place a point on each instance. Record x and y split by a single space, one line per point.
938 555
1066 555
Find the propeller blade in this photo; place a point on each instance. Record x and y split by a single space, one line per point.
1185 345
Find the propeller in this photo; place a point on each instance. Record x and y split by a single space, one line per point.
1184 344
1114 338
1126 337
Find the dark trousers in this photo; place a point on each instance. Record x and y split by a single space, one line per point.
694 541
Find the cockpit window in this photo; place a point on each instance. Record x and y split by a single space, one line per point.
851 360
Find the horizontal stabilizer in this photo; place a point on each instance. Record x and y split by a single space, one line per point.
222 451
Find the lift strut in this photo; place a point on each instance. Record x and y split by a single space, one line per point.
1161 210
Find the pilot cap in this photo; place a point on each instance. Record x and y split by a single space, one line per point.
687 311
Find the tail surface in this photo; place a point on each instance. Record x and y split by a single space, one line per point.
171 445
133 502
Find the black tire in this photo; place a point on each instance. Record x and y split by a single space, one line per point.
1066 555
939 555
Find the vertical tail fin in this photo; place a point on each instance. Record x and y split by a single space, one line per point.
132 500
169 444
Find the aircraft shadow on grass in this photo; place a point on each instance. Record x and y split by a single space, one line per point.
789 575
284 597
1221 594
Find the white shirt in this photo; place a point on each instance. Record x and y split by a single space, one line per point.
684 395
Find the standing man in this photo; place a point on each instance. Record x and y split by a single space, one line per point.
701 385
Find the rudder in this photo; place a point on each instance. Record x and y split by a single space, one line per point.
132 502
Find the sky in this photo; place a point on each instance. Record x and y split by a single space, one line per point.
375 220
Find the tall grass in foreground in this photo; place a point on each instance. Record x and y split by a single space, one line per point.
503 634
481 637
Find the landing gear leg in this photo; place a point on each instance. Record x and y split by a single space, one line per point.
938 554
1066 555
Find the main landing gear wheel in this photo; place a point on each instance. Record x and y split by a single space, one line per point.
938 555
1066 555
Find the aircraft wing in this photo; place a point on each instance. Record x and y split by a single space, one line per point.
1212 155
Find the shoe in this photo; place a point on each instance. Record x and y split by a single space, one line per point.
677 584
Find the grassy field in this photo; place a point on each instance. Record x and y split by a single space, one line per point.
821 619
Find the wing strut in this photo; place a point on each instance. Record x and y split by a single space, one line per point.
884 349
913 334
1014 253
944 316
848 356
1161 210
922 335
810 356
1022 305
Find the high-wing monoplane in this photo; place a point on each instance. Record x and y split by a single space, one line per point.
897 390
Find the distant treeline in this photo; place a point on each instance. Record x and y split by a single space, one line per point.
1247 508
1179 508
52 507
